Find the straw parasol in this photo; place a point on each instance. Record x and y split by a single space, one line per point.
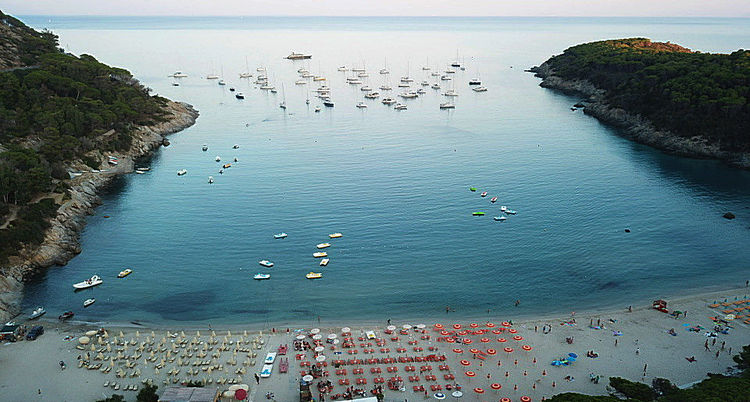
315 331
346 329
300 337
84 340
320 358
332 336
406 326
317 337
319 348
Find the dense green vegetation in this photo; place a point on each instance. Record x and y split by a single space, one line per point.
717 388
688 93
57 111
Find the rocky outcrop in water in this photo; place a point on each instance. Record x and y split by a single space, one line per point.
634 126
61 241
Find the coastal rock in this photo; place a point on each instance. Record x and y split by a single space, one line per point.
729 215
61 240
634 126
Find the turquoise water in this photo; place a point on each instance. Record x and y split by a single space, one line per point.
395 183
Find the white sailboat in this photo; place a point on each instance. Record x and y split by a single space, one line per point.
283 97
247 73
384 70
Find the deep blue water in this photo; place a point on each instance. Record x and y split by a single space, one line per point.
395 183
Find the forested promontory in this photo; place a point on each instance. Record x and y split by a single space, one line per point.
692 99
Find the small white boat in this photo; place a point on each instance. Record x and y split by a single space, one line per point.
358 69
450 92
361 105
435 74
324 262
479 89
445 78
388 101
449 71
407 79
300 82
317 109
503 208
424 83
363 75
143 169
267 86
212 77
218 158
421 91
210 179
320 254
354 82
447 105
88 283
408 95
323 245
384 71
319 78
140 172
500 218
260 277
510 212
260 69
335 235
435 86
265 263
366 89
221 82
281 235
386 87
342 68
179 74
246 75
38 312
236 146
372 95
403 85
88 302
400 106
314 275
181 172
125 272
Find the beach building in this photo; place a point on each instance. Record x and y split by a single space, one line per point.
190 394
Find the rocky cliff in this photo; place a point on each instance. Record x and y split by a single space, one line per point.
634 126
61 241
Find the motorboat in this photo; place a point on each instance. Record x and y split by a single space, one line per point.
239 95
384 71
475 81
324 262
282 105
246 75
447 105
227 166
302 70
319 78
314 275
65 316
335 235
484 194
479 89
435 86
358 69
421 91
221 82
355 81
449 71
210 180
205 148
306 75
503 208
317 109
267 86
260 69
175 84
143 169
231 89
265 263
320 254
323 88
88 283
472 189
88 302
361 105
366 89
273 90
407 79
125 272
372 95
493 200
445 78
281 235
236 146
403 85
300 82
260 277
510 212
424 83
181 172
140 172
500 218
38 312
408 95
388 101
400 106
450 92
212 77
478 213
328 103
298 56
342 68
179 74
218 158
385 87
323 245
363 75
435 74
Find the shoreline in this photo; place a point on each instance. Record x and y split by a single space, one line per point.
635 127
643 340
61 239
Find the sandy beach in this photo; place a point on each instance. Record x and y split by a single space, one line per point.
635 345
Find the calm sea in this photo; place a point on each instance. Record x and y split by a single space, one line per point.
396 184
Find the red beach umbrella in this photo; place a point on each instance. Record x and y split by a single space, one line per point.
495 386
240 394
502 340
506 324
518 338
450 340
479 390
470 374
444 333
456 326
467 341
505 400
465 363
484 340
497 331
508 350
474 350
525 399
490 325
512 330
491 352
439 326
474 325
457 350
526 347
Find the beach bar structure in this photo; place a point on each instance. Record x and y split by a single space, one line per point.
190 394
10 332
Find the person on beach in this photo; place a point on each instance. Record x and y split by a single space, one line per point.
257 378
637 351
518 302
630 309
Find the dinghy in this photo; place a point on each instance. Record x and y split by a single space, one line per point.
125 272
324 262
314 275
320 254
493 200
484 194
281 235
40 311
266 263
88 302
335 235
88 283
65 316
323 245
500 218
261 277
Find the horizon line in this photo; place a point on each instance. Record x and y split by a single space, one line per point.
383 16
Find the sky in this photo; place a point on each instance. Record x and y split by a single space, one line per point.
644 8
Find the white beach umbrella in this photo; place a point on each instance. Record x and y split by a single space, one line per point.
84 340
391 327
315 331
406 326
319 348
320 358
332 336
346 329
299 337
317 337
